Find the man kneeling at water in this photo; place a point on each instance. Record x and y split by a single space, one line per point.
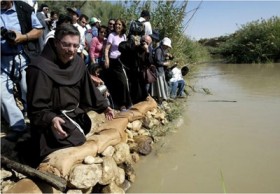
177 82
60 92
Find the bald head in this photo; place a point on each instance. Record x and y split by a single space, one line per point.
147 39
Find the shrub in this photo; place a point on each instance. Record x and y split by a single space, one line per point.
255 42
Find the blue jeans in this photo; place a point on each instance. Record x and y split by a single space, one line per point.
87 60
177 88
9 109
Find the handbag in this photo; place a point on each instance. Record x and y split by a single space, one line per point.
150 74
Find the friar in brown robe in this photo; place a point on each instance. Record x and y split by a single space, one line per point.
64 90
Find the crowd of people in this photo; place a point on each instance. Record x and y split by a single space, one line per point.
68 64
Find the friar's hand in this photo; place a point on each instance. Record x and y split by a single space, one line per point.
56 127
109 113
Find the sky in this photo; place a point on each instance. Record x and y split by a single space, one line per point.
220 18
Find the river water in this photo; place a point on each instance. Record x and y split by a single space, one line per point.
228 141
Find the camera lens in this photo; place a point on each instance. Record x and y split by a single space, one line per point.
11 35
3 31
8 34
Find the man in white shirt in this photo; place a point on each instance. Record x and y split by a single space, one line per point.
177 83
75 14
42 15
145 19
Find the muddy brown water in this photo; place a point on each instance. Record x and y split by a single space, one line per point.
221 145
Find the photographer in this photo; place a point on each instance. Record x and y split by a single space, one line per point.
159 89
20 30
136 59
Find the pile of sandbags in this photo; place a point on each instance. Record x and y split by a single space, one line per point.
104 163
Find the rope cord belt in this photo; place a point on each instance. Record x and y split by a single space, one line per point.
71 120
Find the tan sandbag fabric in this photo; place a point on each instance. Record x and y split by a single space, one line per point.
61 161
28 186
136 115
120 123
145 106
131 115
105 138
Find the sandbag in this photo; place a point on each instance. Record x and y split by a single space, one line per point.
145 106
29 186
108 137
131 115
61 161
116 123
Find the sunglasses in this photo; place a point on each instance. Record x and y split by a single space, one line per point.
111 23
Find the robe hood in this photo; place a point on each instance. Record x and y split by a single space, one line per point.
64 74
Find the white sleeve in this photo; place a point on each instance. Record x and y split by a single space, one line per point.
49 35
83 40
148 28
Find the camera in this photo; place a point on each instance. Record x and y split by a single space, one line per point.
8 34
168 56
142 43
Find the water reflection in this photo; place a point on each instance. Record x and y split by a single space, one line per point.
221 144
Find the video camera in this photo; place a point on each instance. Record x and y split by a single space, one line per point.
9 35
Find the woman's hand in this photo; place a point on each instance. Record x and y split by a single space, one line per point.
109 113
107 49
106 64
93 61
56 127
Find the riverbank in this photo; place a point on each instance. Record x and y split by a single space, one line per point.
141 134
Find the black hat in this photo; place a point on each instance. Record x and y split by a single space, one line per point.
42 6
145 13
62 19
155 35
74 10
185 70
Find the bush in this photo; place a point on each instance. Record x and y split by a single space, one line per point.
255 42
